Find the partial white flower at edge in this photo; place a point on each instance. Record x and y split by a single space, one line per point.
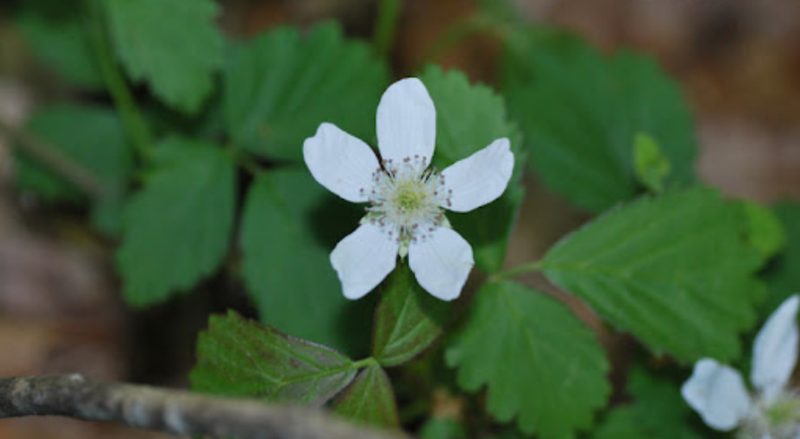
407 198
718 393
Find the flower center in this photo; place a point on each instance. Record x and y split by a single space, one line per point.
409 196
778 418
406 200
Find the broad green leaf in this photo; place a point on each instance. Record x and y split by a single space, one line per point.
469 118
280 86
437 428
675 271
539 362
290 226
657 411
651 166
766 233
369 399
91 136
783 278
580 112
241 358
407 321
57 34
173 45
177 228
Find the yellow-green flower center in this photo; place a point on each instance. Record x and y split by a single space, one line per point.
410 196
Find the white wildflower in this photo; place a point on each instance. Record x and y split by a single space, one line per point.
717 392
407 198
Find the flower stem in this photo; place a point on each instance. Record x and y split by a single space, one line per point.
386 23
135 127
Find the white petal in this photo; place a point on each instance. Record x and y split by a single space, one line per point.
441 262
340 162
775 349
406 121
718 394
480 178
363 259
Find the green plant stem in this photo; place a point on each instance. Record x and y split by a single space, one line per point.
385 26
366 362
54 159
528 267
135 127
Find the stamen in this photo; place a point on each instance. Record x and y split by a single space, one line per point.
406 196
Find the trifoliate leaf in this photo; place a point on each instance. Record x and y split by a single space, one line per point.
651 166
407 321
173 45
580 112
290 226
783 278
369 399
675 271
239 357
539 362
91 137
58 35
177 228
281 86
468 118
657 411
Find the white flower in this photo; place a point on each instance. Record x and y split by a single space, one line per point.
717 392
407 199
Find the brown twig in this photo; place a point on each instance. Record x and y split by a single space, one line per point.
172 411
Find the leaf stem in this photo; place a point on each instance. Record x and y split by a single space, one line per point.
135 127
457 32
385 26
527 267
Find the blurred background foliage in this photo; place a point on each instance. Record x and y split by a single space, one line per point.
128 127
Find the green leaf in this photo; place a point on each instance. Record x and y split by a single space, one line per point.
651 166
580 112
58 36
97 145
173 45
442 428
369 399
281 86
657 412
540 363
407 320
766 233
239 357
177 228
290 226
91 136
675 271
469 118
783 278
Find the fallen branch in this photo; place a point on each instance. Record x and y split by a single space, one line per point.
172 411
